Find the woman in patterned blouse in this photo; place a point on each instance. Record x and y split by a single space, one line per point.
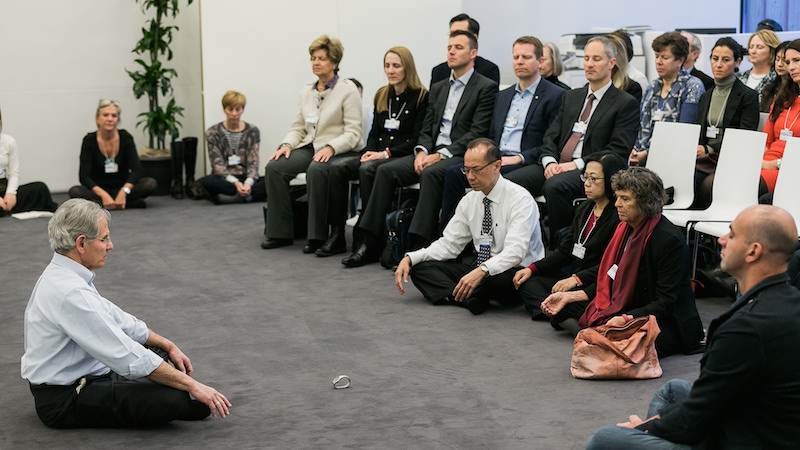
761 50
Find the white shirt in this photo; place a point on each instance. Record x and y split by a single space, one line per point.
517 236
72 331
754 80
9 162
576 155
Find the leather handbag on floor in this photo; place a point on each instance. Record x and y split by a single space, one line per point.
617 353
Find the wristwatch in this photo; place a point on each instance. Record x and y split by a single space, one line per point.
778 162
126 190
484 269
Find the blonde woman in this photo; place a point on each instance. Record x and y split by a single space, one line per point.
620 76
761 50
551 66
322 137
110 170
400 107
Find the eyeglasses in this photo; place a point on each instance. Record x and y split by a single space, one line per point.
475 170
591 179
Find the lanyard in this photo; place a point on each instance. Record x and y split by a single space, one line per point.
722 110
786 120
594 224
403 107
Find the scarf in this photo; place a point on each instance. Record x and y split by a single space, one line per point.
616 295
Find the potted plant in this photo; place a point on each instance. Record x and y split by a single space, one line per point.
154 79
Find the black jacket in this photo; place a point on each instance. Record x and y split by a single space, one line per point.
707 81
635 90
401 141
586 268
482 65
613 126
541 113
663 289
471 119
748 392
741 112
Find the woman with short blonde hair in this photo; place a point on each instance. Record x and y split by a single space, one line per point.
762 47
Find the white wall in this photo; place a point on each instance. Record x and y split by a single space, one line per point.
264 53
59 58
502 21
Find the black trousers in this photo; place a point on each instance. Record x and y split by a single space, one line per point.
437 280
560 191
141 190
111 401
217 184
455 186
30 197
535 290
531 177
327 193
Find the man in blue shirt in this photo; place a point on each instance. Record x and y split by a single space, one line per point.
521 116
85 358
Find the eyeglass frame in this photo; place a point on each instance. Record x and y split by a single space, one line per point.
476 170
592 179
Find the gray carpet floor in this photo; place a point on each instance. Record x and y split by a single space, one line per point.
271 328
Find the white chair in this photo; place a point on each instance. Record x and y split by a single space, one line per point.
786 189
762 120
735 180
672 155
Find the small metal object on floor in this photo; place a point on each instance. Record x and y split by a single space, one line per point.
341 382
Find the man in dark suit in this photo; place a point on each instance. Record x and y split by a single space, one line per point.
748 392
459 110
521 116
597 117
482 65
695 47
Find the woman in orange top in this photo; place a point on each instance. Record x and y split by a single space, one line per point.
784 119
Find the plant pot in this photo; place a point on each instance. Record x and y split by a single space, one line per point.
157 164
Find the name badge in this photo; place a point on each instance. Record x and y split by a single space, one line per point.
786 134
486 239
234 160
111 167
579 127
578 251
658 116
391 124
712 132
612 272
312 120
511 121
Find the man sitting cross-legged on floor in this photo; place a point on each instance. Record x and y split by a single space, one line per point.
502 221
85 358
748 392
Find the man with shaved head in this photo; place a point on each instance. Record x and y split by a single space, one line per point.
748 392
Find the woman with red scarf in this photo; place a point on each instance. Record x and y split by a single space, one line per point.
644 270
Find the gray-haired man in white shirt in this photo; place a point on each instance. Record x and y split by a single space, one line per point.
502 221
85 358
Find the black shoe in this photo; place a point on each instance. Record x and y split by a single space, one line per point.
335 244
476 305
311 246
269 243
360 257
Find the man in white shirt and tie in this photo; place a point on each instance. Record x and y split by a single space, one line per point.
502 221
85 358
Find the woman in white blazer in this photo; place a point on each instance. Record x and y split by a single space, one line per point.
321 139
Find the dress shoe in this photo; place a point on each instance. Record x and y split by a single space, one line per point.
311 246
360 257
335 244
269 243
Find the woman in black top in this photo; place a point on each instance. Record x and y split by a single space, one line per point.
110 171
397 119
728 104
552 66
580 249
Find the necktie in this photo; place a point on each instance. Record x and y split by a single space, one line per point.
575 137
484 249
